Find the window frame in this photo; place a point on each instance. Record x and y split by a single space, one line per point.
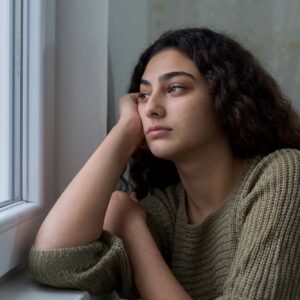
19 221
6 27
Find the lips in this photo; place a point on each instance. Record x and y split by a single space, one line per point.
158 128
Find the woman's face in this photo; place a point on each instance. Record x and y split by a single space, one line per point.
174 95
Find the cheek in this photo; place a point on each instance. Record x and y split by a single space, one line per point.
198 121
190 117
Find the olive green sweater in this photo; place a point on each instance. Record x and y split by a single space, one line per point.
249 248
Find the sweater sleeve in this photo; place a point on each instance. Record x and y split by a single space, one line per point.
267 260
99 268
102 266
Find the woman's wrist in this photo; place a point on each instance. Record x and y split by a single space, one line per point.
145 257
134 230
131 130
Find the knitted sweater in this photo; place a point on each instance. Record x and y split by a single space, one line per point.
249 248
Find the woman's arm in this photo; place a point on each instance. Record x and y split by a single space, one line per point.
127 219
153 278
78 215
266 264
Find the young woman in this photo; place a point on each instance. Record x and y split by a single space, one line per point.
214 170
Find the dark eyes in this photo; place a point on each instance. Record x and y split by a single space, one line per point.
174 89
143 96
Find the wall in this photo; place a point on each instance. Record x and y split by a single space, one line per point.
98 44
81 84
127 37
269 28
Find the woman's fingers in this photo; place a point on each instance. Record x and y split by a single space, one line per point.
128 105
130 120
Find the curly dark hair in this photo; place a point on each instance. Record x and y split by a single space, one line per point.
249 105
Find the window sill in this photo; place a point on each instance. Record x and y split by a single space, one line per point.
21 287
17 213
18 227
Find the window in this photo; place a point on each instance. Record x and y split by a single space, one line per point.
11 101
5 118
26 123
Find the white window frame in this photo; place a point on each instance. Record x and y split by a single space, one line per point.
5 73
19 222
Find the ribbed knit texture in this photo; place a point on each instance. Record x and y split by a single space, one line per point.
247 249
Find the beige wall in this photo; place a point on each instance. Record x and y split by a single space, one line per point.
81 84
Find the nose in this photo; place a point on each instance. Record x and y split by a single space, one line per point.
155 107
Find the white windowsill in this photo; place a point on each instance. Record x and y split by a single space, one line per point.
22 287
18 228
17 213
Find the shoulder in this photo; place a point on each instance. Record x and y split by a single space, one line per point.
280 167
266 228
271 190
285 159
273 179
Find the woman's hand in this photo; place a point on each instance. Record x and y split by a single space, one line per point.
128 106
130 118
128 110
122 213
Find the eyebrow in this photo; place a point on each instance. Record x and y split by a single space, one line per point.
168 76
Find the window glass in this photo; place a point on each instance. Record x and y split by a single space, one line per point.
10 100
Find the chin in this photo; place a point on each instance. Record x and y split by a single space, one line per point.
159 152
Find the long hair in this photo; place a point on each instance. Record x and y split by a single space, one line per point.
249 106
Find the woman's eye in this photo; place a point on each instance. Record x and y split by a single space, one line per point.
176 88
143 96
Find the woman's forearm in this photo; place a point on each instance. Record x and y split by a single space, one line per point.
78 215
153 278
